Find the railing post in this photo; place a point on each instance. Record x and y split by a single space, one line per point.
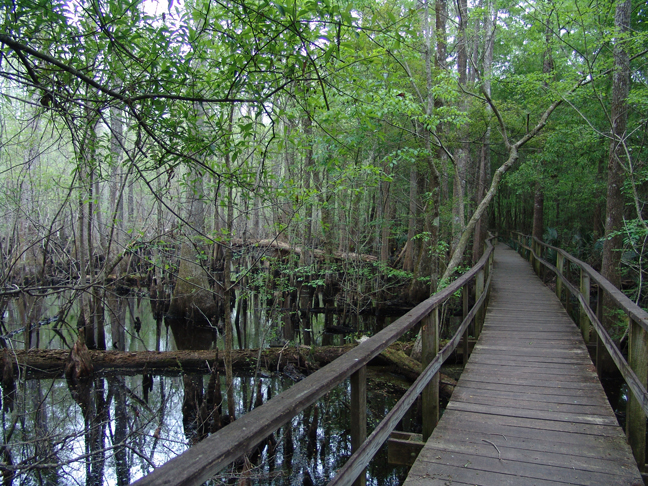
464 297
582 316
635 418
359 415
560 263
430 394
479 289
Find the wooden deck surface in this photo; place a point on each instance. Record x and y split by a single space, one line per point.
529 408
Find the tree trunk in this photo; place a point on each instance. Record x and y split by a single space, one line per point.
227 285
307 256
538 197
598 227
385 227
613 241
408 261
192 297
538 211
44 363
116 184
481 228
427 257
462 153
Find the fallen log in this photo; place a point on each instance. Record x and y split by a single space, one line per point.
283 246
411 369
50 363
40 363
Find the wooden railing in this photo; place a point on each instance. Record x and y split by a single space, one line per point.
635 369
205 459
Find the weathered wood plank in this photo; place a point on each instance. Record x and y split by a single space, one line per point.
501 450
523 380
529 408
523 413
475 465
602 448
524 363
514 396
546 390
530 360
517 401
476 425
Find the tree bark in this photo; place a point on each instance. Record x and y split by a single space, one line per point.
538 197
43 363
408 261
538 211
462 152
481 228
613 241
426 263
513 155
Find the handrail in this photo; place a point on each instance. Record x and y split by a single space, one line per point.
639 315
200 462
634 373
360 459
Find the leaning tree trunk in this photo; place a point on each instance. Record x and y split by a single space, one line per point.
513 155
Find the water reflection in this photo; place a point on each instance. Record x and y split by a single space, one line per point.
111 429
123 436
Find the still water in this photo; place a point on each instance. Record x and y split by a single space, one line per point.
128 425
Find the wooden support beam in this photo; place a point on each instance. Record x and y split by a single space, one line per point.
359 415
403 448
430 394
635 417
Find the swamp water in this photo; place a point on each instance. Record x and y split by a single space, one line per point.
133 423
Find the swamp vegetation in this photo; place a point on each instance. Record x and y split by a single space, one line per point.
265 183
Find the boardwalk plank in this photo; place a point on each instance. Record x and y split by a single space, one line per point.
557 415
521 402
528 408
605 449
516 396
571 475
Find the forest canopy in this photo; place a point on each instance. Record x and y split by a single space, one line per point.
395 130
243 165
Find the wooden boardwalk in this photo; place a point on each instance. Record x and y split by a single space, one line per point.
529 408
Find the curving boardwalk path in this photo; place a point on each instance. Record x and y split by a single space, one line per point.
529 408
